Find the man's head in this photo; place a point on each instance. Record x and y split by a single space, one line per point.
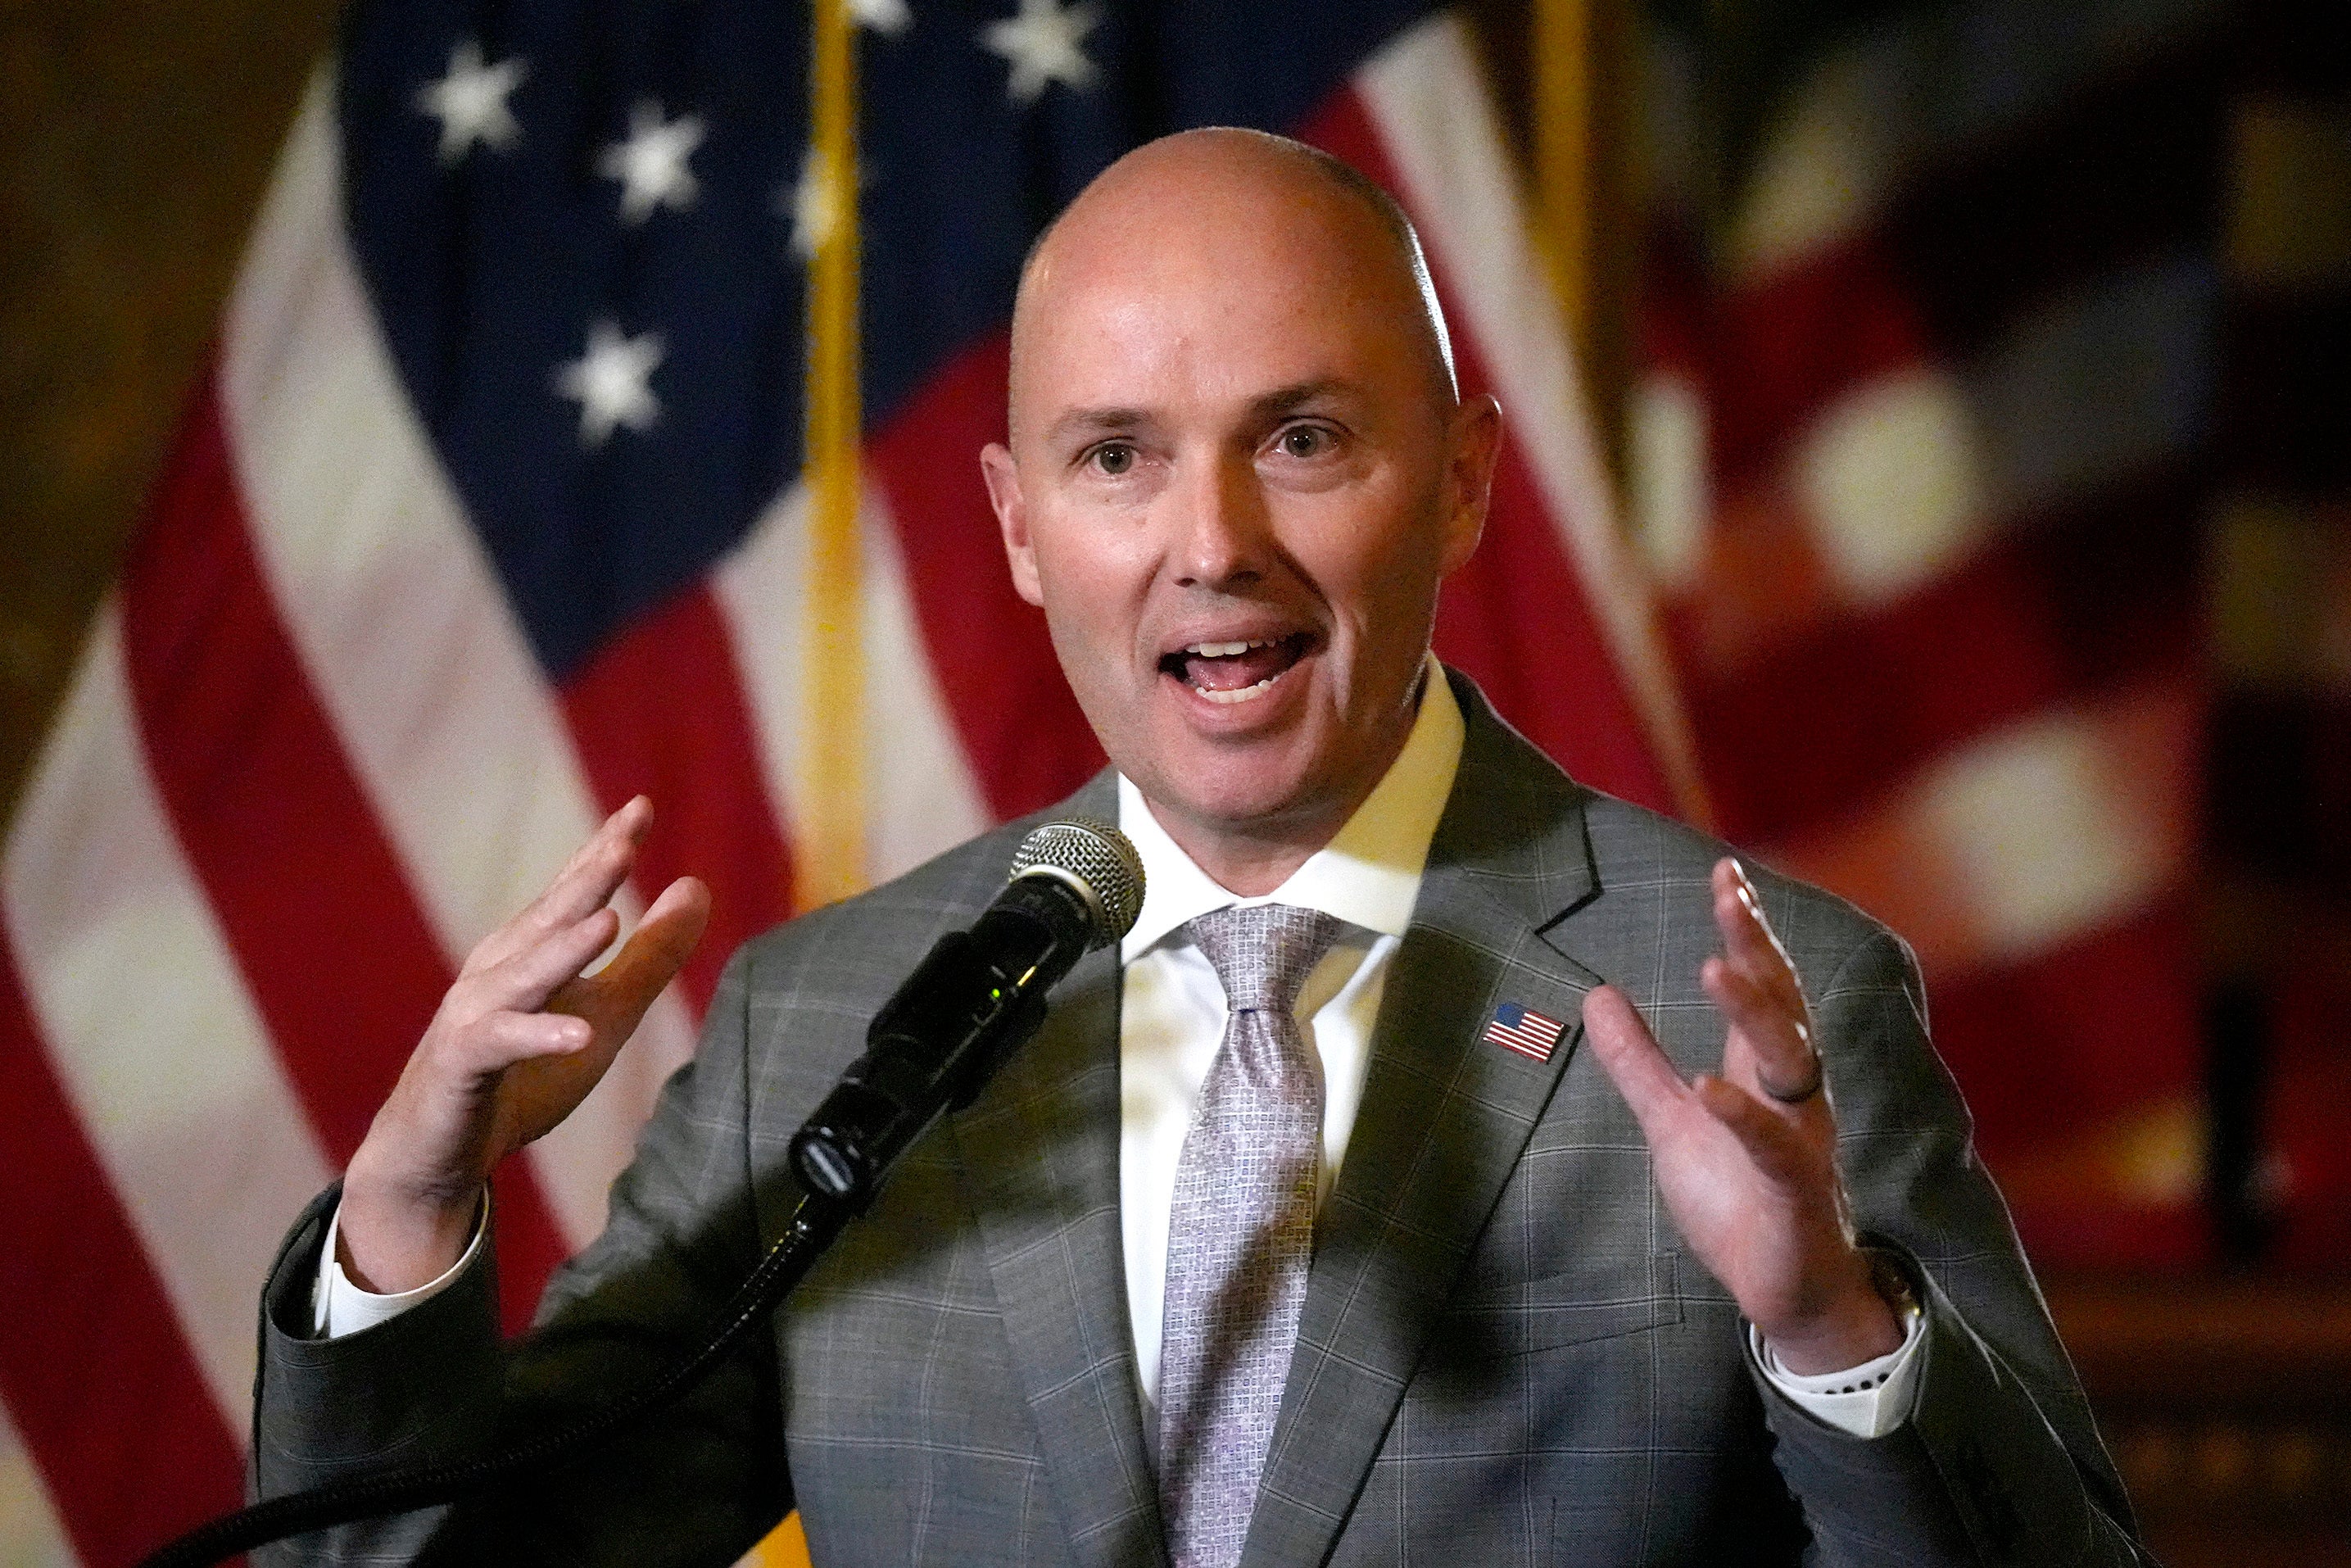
1237 472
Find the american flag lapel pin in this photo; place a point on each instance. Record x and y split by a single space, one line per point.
1524 1031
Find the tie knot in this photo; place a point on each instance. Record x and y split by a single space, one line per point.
1262 953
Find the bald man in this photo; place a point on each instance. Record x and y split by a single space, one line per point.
1713 1278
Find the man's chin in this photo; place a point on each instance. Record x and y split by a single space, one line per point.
1262 791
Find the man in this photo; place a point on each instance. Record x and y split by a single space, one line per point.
1304 1230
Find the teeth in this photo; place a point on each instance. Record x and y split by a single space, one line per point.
1241 696
1227 651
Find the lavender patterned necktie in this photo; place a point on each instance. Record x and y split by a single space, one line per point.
1240 1232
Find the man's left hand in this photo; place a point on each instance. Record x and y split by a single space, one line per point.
1747 1158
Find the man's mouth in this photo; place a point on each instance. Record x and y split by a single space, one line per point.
1236 671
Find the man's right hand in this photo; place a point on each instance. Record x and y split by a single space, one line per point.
518 1043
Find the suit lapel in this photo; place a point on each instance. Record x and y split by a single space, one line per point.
1445 1114
1040 1151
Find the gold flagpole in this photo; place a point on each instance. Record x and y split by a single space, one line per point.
830 806
828 803
1565 147
1582 51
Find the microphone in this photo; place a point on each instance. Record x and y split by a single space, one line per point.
1076 884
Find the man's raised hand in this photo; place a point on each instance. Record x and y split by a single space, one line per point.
517 1043
1746 1158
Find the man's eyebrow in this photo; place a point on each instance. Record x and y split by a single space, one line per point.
1288 399
1096 421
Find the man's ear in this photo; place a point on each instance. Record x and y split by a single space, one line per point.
1003 477
1474 443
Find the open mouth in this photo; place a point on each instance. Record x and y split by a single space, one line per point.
1237 671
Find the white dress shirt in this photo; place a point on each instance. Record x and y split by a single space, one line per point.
1172 1022
1172 1009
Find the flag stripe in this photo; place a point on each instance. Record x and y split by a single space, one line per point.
660 711
31 1535
149 1025
94 1370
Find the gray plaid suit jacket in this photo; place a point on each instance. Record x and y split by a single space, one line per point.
1507 1356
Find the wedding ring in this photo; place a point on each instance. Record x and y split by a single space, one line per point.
1795 1096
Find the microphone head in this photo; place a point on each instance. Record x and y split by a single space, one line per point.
1096 859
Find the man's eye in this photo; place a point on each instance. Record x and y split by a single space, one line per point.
1304 441
1114 458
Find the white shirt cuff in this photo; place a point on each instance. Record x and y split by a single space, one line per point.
339 1308
1868 1401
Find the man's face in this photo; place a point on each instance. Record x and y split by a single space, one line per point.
1236 482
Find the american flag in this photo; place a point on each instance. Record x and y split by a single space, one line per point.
1524 1031
1929 327
487 515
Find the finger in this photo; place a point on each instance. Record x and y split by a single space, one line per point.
524 982
498 1040
596 869
1749 942
1631 1056
617 996
586 883
1774 1146
1769 1051
1747 938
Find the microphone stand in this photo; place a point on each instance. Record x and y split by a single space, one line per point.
815 1221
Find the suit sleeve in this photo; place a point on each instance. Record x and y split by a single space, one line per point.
698 1483
1999 1463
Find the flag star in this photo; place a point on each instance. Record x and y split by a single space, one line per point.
889 18
1042 43
470 103
815 204
651 164
609 382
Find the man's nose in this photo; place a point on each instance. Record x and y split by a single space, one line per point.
1225 537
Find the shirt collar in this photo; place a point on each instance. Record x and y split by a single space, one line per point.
1368 875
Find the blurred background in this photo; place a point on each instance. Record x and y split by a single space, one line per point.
1964 444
